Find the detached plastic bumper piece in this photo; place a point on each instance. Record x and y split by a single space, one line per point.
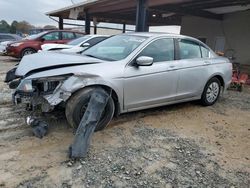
10 75
89 121
39 128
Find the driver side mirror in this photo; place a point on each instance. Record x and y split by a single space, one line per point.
86 45
144 61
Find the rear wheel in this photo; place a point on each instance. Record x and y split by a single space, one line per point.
28 51
77 105
211 92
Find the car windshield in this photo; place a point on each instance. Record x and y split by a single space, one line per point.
78 40
115 48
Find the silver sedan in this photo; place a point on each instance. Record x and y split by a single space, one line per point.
140 70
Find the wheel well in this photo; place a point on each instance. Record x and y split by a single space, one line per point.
28 48
113 95
220 79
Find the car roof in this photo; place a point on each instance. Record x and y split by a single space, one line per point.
160 34
65 30
150 34
98 35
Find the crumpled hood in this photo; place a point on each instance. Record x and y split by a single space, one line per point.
50 60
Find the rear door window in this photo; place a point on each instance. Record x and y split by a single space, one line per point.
160 50
205 52
51 36
68 36
94 41
189 49
79 35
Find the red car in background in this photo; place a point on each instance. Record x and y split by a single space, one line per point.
33 43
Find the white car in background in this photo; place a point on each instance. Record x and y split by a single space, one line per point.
77 45
3 46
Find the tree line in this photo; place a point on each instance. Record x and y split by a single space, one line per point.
18 27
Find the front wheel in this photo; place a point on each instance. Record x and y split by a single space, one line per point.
77 105
211 92
28 51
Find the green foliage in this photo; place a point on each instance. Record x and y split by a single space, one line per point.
4 27
15 26
49 27
24 27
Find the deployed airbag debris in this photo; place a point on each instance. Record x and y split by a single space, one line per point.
39 128
89 121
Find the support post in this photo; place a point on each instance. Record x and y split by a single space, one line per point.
95 30
141 16
87 23
124 28
60 23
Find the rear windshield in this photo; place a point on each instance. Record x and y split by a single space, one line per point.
79 40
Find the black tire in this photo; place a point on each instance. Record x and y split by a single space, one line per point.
79 101
207 101
27 51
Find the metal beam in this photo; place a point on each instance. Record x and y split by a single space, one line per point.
188 11
87 23
124 28
207 4
141 16
117 5
95 30
130 19
60 23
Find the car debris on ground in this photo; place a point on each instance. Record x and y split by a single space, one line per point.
89 121
39 127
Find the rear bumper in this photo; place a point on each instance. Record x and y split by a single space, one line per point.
227 85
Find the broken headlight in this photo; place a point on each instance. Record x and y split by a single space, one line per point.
47 85
25 86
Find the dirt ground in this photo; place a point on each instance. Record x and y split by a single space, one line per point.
184 145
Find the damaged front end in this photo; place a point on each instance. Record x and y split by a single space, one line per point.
47 92
39 92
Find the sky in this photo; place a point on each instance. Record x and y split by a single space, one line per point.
32 11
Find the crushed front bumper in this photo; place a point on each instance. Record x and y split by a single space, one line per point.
21 97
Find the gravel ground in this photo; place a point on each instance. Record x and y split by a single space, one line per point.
184 145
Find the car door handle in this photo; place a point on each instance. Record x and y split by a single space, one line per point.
172 66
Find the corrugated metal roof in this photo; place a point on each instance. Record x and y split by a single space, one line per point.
81 4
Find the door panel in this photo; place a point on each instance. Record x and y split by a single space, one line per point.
193 76
193 72
52 37
150 85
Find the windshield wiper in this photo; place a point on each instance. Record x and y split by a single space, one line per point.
91 56
102 58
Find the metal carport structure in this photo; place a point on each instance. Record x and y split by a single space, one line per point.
142 13
223 24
